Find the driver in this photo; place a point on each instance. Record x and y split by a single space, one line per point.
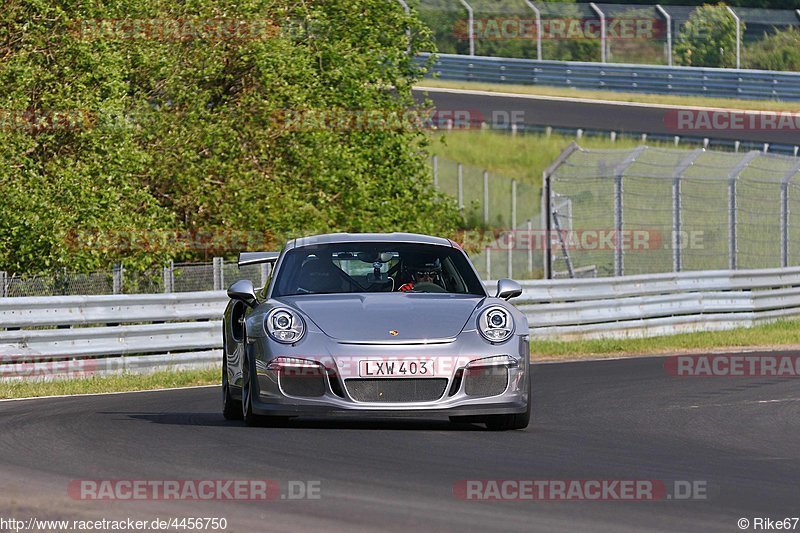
425 271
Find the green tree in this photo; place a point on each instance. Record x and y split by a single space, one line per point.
708 39
186 135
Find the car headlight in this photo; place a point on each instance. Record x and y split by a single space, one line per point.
495 324
284 325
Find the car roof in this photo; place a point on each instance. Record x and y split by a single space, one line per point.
335 238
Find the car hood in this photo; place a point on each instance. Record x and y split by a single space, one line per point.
371 317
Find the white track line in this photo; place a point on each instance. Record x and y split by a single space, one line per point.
573 99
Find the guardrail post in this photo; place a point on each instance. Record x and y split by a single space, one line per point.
117 276
219 275
668 20
168 273
486 197
3 284
538 28
785 214
602 31
471 29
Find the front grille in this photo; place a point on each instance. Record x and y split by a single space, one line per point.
390 390
302 382
486 381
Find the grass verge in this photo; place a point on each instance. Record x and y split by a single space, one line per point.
782 334
541 90
523 157
100 384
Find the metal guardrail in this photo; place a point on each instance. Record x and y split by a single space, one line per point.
74 336
686 81
659 304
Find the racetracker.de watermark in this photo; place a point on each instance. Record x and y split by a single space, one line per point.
560 29
345 120
174 29
193 489
41 121
585 239
579 490
707 120
733 365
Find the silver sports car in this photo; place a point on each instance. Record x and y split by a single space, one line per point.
379 325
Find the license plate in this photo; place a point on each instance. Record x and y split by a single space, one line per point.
396 368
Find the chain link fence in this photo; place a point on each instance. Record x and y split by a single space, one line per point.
503 212
177 277
651 210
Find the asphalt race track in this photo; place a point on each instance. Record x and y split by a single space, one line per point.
570 113
606 420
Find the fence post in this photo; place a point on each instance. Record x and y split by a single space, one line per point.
785 214
538 15
602 31
436 172
529 240
117 276
619 171
668 20
486 197
547 205
460 186
471 29
488 255
677 244
738 36
3 284
219 276
168 273
732 238
513 228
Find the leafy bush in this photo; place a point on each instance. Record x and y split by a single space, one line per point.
778 51
187 135
708 39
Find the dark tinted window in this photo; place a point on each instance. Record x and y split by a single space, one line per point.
376 267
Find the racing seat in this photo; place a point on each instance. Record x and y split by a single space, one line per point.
319 275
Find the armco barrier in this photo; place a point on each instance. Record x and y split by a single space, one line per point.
659 304
55 337
687 81
69 336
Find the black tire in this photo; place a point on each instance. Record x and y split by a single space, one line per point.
248 371
231 407
250 418
508 422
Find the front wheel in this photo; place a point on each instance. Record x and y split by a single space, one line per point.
507 422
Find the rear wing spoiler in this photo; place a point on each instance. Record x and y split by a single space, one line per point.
257 258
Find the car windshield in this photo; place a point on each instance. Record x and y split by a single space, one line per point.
376 267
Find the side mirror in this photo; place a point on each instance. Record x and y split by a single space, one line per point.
243 291
507 289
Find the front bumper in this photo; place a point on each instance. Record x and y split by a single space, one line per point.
335 399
